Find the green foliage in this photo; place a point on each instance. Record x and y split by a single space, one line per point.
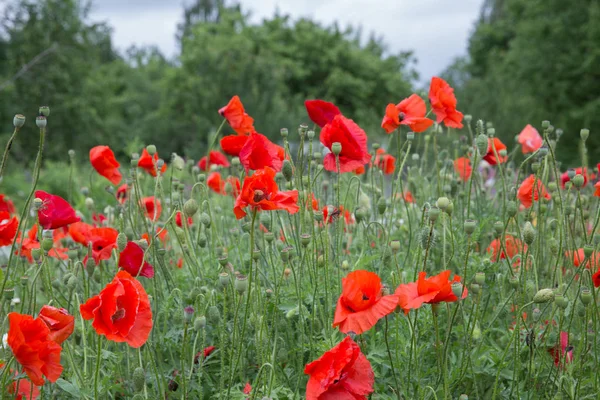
531 61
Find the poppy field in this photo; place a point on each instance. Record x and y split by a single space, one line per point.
428 260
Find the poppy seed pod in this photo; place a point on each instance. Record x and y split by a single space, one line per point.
224 279
395 246
442 203
588 250
269 237
482 144
480 278
584 134
433 214
578 181
469 226
336 148
543 296
457 289
139 379
18 120
475 288
284 132
498 227
41 122
561 301
305 239
410 136
287 170
151 149
241 283
586 296
528 233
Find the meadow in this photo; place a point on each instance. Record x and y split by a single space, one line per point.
440 263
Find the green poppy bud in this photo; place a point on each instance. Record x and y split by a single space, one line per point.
287 170
482 144
543 296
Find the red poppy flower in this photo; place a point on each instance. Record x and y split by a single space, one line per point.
247 388
340 373
527 194
432 290
80 232
562 351
31 242
490 157
215 183
58 321
233 144
161 233
55 212
6 204
597 189
99 219
260 192
530 139
321 112
313 203
596 278
179 219
462 166
362 304
360 170
236 116
215 158
122 193
132 260
206 352
332 213
148 163
121 311
512 245
103 241
104 162
385 162
8 228
32 347
23 389
410 112
353 139
564 178
443 103
153 207
260 152
578 257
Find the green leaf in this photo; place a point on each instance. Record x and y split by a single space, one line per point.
69 388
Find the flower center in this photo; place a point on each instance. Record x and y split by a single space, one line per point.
401 116
259 195
120 313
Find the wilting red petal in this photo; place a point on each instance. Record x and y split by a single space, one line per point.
236 116
215 158
233 144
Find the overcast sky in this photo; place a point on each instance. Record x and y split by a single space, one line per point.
436 30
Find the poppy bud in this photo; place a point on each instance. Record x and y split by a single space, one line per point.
545 124
121 241
561 301
476 332
286 273
584 134
586 296
241 283
336 148
41 122
469 226
544 296
188 313
37 204
89 203
498 227
214 315
151 149
320 261
205 219
528 233
47 244
287 170
475 288
139 379
480 278
580 309
395 246
442 203
537 313
284 132
381 205
464 396
44 110
433 214
200 323
578 181
36 253
535 167
19 120
482 144
457 289
410 136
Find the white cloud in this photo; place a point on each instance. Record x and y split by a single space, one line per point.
437 31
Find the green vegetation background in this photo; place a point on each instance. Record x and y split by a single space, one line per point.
528 60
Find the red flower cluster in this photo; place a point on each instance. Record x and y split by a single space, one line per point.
35 343
121 311
512 245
